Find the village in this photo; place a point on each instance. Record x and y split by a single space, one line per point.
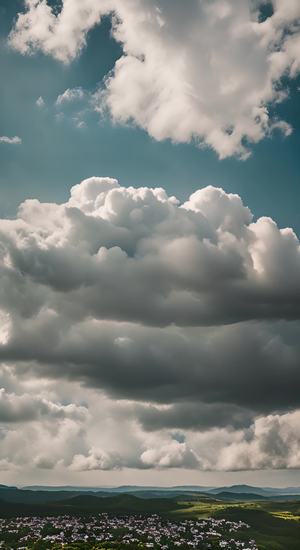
132 532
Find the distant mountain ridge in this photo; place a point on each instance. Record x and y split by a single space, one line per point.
132 489
119 489
263 491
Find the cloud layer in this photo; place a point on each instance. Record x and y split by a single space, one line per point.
202 71
177 323
106 436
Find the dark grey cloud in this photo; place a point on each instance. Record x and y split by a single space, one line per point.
126 290
249 365
197 416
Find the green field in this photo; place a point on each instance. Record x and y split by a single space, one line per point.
274 525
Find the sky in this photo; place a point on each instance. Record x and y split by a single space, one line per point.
149 242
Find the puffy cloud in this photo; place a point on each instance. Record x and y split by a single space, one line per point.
200 263
62 35
96 460
127 290
26 407
204 71
41 425
272 442
15 140
42 444
70 95
138 332
171 455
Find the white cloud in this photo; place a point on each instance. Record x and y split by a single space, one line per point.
200 263
170 455
41 424
273 442
29 446
40 102
203 71
70 95
96 459
15 140
63 36
27 407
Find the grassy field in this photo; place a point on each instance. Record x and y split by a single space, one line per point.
205 509
274 525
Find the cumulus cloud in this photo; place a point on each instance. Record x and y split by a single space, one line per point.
140 332
171 455
15 140
70 95
272 442
26 407
130 291
96 459
62 35
205 72
41 424
42 444
200 263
